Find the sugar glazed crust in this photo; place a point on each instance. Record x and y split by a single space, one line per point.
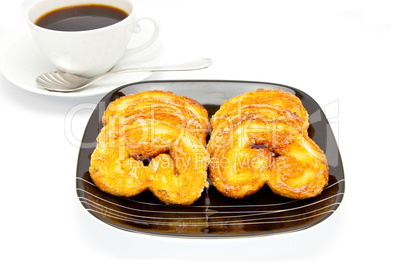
261 138
157 141
153 140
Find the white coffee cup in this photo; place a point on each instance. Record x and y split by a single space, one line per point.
88 52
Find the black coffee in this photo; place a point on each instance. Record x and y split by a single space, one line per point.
81 18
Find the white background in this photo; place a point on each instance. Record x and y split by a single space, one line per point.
345 54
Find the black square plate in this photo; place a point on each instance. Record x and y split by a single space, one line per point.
213 215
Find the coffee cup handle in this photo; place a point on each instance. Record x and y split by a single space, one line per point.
151 40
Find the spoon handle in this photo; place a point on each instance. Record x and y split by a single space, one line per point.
188 66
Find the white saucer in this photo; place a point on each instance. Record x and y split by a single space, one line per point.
22 62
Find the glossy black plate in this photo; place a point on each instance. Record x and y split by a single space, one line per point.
213 215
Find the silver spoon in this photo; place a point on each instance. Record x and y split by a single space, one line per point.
65 82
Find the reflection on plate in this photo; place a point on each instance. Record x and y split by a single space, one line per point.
213 215
22 62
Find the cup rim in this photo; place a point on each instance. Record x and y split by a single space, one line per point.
59 4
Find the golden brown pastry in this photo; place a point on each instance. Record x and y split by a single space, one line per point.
261 138
150 143
161 105
277 98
